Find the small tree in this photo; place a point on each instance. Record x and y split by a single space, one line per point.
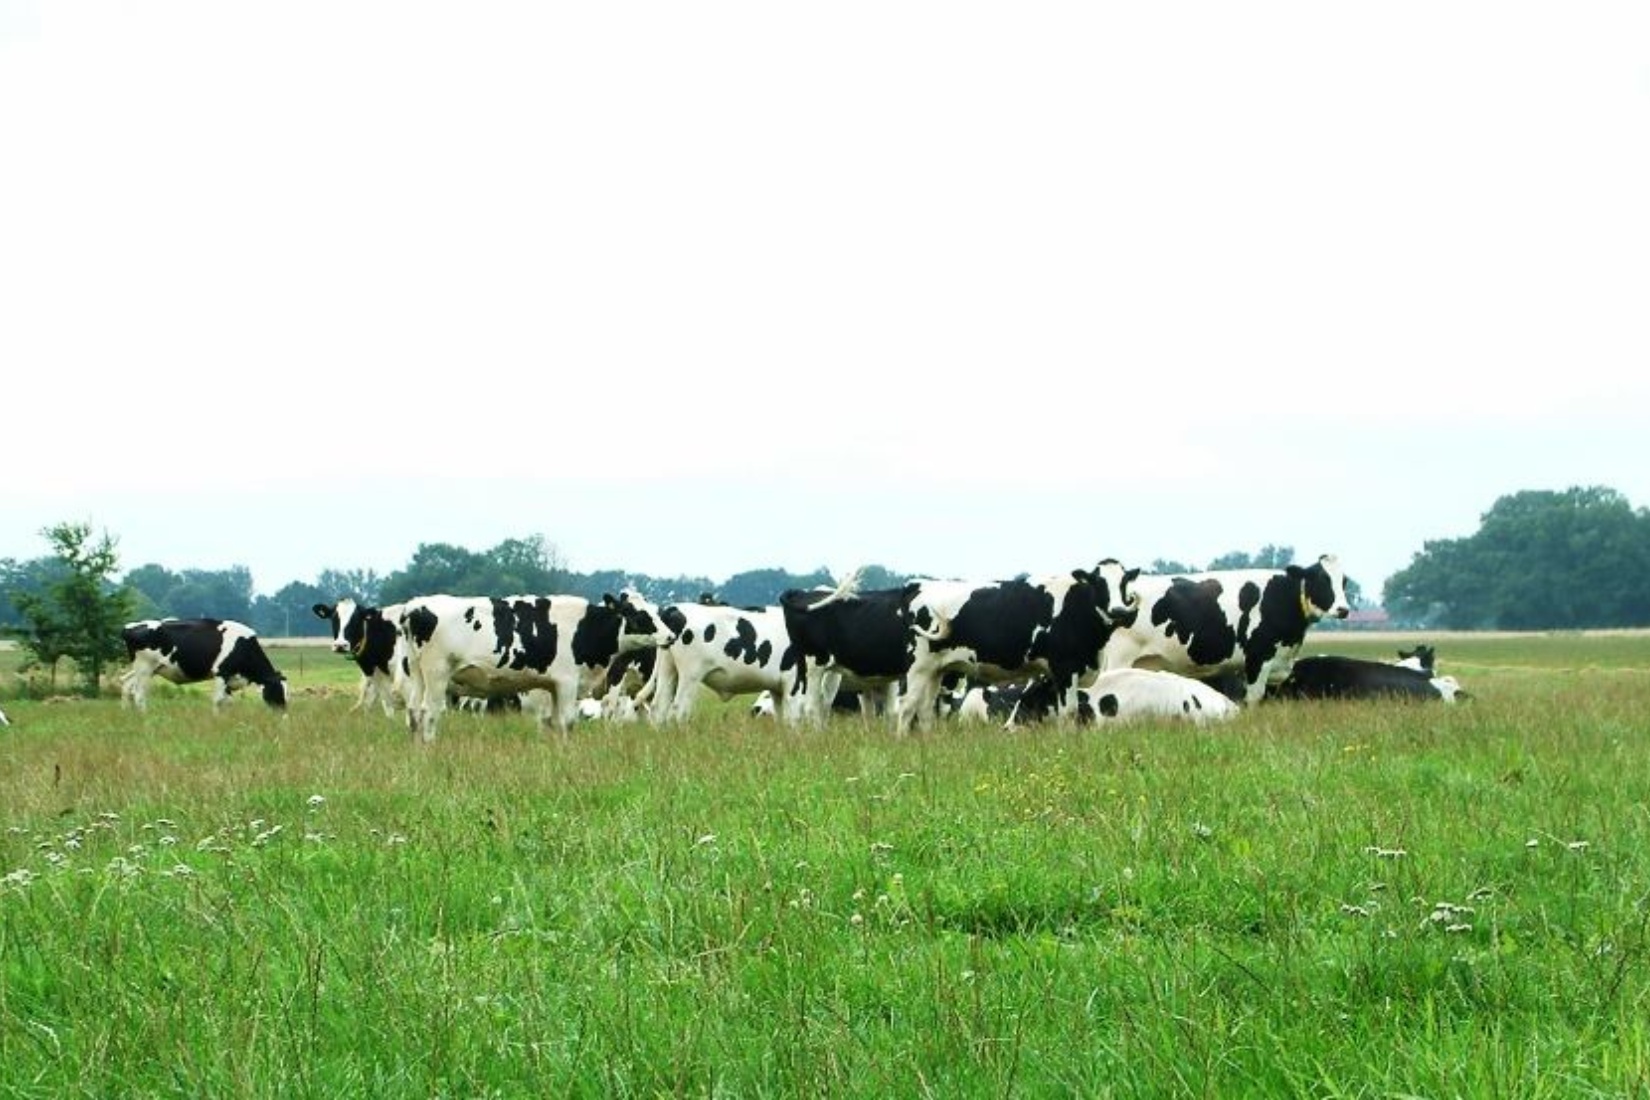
78 616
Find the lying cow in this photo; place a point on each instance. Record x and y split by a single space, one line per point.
491 646
1252 621
189 651
1332 677
1127 694
373 641
1054 627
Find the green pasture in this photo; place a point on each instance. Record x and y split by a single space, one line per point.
1314 900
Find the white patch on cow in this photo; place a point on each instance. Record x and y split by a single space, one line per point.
1145 693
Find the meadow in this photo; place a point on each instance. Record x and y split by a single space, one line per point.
1320 900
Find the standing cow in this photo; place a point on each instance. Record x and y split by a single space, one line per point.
373 641
846 637
729 650
491 646
188 651
1053 627
1252 621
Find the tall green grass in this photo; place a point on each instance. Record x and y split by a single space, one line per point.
1326 900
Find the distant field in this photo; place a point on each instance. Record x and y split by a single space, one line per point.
1315 900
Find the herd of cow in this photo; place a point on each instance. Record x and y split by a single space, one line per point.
1105 643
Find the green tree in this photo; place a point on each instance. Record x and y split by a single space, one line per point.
1540 560
79 615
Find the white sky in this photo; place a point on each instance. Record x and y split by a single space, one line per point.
957 288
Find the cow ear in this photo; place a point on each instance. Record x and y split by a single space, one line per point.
1295 571
1082 575
608 600
1132 574
322 611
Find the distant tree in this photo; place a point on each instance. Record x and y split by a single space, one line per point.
513 567
1540 560
362 585
761 587
435 568
290 612
79 615
18 579
1168 567
1267 557
152 586
212 593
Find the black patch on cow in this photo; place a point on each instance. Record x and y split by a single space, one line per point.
710 633
1108 705
1190 613
673 619
596 638
642 660
523 636
687 636
743 646
1316 585
421 624
1282 623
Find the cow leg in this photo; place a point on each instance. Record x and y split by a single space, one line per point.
134 688
220 693
426 698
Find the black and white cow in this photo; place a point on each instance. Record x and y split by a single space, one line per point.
729 650
1054 627
1249 620
1127 694
1334 677
372 639
188 651
492 646
846 637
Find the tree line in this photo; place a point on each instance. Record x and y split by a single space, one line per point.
1541 560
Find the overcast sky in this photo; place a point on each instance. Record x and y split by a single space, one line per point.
954 288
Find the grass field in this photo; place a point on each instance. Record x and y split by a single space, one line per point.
1315 900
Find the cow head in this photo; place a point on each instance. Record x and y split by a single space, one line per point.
1115 596
349 628
1323 589
639 622
275 691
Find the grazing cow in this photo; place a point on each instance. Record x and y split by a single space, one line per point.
1332 677
1249 620
862 639
1054 627
373 641
188 651
491 646
730 650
